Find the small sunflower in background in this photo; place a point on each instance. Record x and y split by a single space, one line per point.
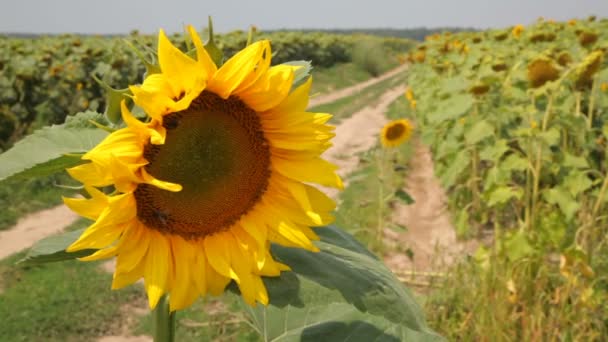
517 30
396 133
218 170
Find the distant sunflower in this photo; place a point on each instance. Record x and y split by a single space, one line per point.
218 171
542 70
589 67
396 133
517 30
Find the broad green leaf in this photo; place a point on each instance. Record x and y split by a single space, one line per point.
343 288
404 196
494 151
455 168
517 246
566 202
52 249
301 74
550 137
514 162
479 131
577 182
452 108
327 321
503 194
47 151
578 162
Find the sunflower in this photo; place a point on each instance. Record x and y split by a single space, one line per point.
517 30
589 67
542 70
396 132
219 170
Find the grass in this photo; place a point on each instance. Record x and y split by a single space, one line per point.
18 198
346 106
339 76
67 301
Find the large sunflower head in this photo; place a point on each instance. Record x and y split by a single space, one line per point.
396 133
218 170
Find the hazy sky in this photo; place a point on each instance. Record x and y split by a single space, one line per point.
121 16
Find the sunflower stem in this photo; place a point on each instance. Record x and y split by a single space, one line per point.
164 321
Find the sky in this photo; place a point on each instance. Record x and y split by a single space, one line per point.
147 16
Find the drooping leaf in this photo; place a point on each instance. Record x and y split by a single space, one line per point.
52 249
47 151
341 289
460 162
517 246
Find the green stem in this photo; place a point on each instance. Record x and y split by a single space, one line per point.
538 162
475 169
164 321
591 104
577 110
381 180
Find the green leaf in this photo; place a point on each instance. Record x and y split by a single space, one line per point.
551 137
480 130
341 289
301 74
514 162
450 175
503 194
404 196
52 249
452 108
577 182
494 151
46 151
578 162
517 246
566 202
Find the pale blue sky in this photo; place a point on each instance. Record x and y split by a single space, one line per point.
121 16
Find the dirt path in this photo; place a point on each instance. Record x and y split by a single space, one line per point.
33 227
338 94
358 134
430 234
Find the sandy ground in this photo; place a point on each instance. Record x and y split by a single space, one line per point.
430 234
34 227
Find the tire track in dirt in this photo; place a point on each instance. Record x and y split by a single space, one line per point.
430 234
338 94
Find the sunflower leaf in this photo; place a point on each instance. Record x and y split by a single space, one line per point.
52 249
301 74
339 290
47 151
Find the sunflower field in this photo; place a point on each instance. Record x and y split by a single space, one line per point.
517 121
44 79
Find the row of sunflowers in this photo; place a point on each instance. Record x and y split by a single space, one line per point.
43 79
517 120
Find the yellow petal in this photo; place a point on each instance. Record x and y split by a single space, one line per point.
203 58
297 101
218 255
157 270
181 72
242 70
270 89
315 170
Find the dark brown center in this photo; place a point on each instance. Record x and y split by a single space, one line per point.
395 131
217 151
